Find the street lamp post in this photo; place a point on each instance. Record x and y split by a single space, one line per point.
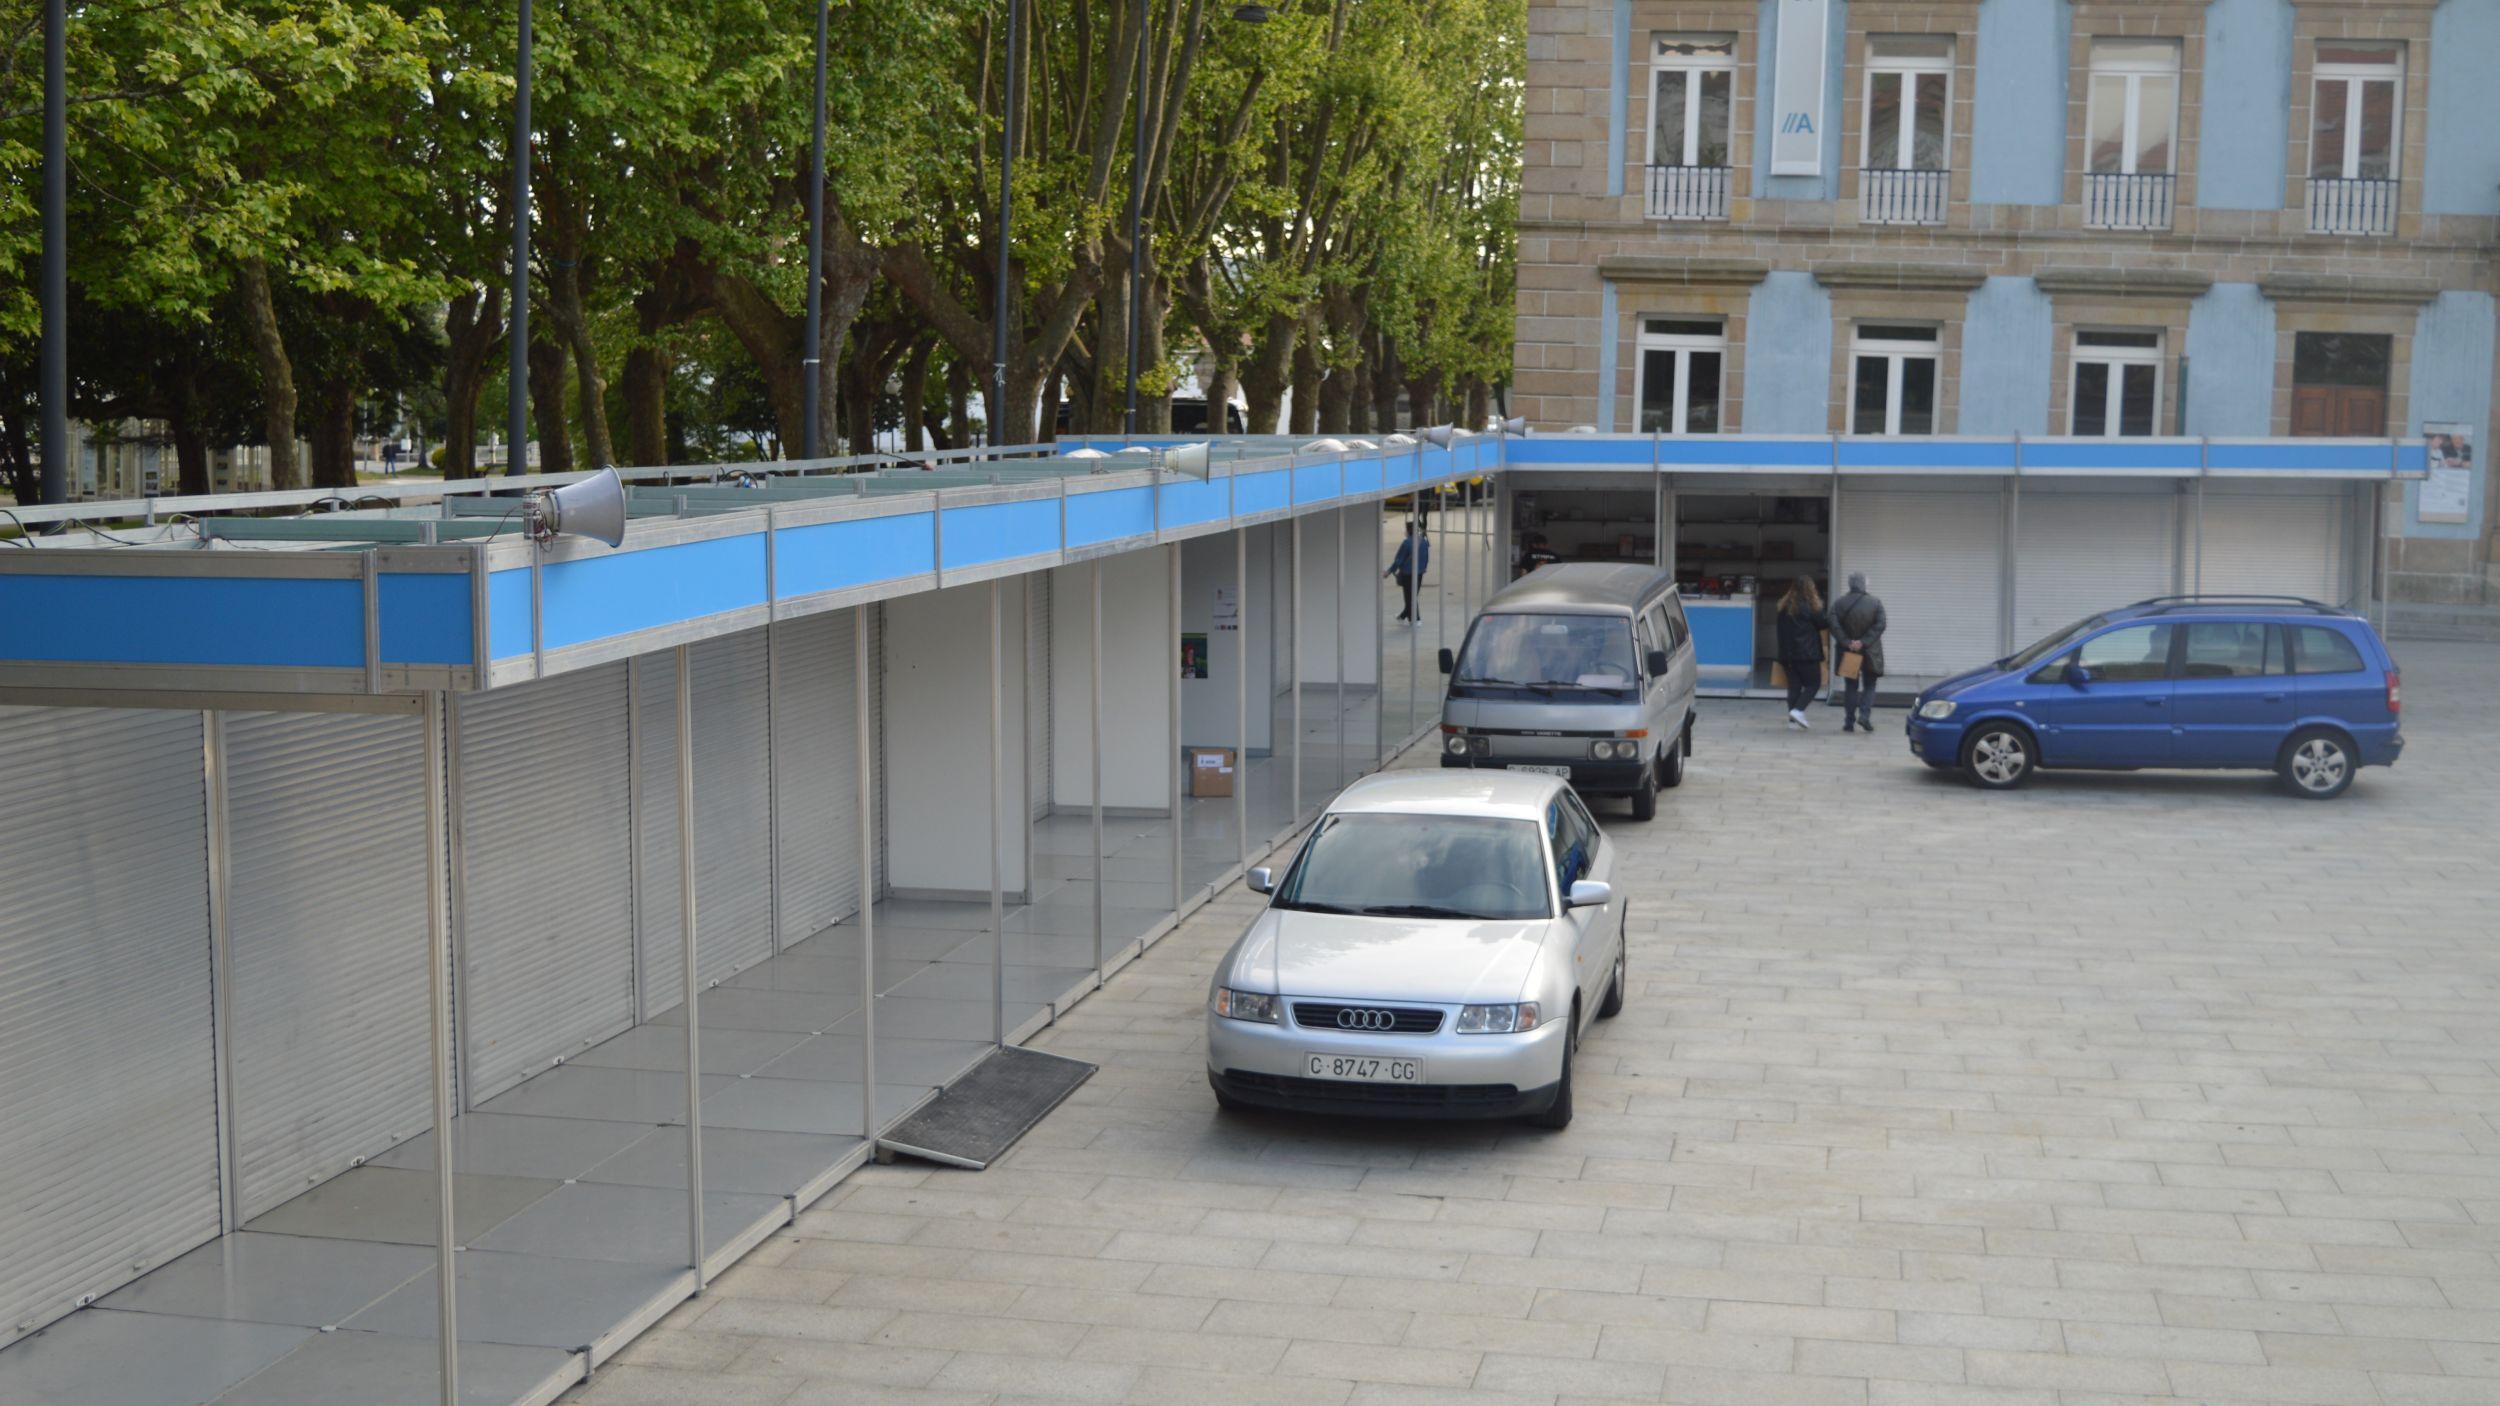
1136 221
517 397
810 437
1006 213
53 393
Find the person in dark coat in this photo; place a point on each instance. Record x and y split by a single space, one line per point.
1414 554
1801 625
1857 625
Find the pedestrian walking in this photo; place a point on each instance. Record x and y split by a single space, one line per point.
1414 555
1801 625
1857 625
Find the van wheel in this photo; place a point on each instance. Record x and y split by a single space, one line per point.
1558 1113
1671 766
1998 756
1645 800
2317 764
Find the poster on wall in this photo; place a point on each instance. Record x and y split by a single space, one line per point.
2446 494
1797 88
1193 656
1227 611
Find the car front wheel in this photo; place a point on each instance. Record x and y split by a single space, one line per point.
1998 756
2318 765
1558 1113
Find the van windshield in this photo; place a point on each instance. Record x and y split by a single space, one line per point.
1534 656
2054 643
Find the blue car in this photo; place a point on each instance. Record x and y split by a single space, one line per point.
2274 683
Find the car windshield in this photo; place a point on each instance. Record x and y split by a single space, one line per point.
1420 866
2054 643
1544 655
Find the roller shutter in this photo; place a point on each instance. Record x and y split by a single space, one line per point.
326 904
815 766
546 918
108 1114
2274 544
2078 554
1037 700
733 815
1935 557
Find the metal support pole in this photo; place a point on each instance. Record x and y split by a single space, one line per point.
998 797
438 994
1093 750
517 396
53 398
1003 292
1294 661
812 366
1136 223
1172 741
1337 773
1241 692
865 743
1415 627
1380 648
221 968
686 941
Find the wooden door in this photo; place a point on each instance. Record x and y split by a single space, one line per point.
2354 411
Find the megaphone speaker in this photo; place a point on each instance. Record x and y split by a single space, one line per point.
593 508
1516 424
1439 436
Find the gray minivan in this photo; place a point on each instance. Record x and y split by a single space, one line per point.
1583 671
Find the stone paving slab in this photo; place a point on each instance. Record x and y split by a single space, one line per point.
2120 1089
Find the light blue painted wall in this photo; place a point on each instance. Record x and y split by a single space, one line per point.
2006 345
2247 105
1788 356
2230 352
2018 128
2452 351
1766 119
1619 98
2464 174
1609 333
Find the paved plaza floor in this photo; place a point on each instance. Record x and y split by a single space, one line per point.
2117 1089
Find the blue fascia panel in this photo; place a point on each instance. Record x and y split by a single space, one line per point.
1927 455
1315 483
1265 492
1189 501
1399 469
601 597
2113 456
2413 459
508 613
284 622
2294 456
425 618
833 556
1362 476
1438 463
1107 516
1796 456
987 532
1564 451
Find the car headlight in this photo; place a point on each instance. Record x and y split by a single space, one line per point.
1936 709
1245 1005
1610 749
1497 1020
1455 744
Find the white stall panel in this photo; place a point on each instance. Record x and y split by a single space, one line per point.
1935 557
816 764
733 815
328 911
2077 554
547 916
108 1111
2265 543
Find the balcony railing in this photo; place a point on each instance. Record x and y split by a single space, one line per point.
1888 196
2352 205
2123 200
1688 192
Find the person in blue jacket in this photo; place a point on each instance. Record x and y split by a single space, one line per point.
1414 554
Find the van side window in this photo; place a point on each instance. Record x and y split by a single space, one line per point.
1675 619
1642 636
2317 649
2131 654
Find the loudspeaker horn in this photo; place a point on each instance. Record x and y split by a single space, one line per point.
1439 436
1516 424
1186 458
593 508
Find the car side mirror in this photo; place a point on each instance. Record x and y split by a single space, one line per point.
2077 675
1449 662
1262 880
1657 662
1590 893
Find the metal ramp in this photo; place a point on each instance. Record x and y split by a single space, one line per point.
980 1116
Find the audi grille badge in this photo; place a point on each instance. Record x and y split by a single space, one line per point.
1349 1018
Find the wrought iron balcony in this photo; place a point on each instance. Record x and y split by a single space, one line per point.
2123 200
1888 196
1688 192
2352 205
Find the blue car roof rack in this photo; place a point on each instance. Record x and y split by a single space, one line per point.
2155 605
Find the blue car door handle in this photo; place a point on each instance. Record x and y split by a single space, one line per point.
2155 702
2274 697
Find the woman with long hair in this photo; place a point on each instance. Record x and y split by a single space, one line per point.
1801 626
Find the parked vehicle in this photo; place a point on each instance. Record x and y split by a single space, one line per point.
1436 950
1583 671
2278 683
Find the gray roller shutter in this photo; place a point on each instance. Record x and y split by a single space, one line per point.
1037 701
108 1113
546 921
2273 544
733 819
326 904
2078 554
815 767
1935 557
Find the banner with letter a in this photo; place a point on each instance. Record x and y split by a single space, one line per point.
1797 88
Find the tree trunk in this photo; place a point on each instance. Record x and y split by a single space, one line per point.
17 460
1154 407
1384 383
958 404
1419 400
1265 375
277 373
1336 401
475 325
1479 403
334 434
555 437
646 405
564 298
182 419
1306 386
1220 383
916 393
1358 376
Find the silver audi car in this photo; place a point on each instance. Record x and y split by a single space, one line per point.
1435 950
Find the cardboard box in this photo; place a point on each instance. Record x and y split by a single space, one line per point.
1210 770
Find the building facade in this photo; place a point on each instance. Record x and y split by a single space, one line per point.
2037 219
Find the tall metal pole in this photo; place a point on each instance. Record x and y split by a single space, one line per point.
811 437
1093 751
1294 658
438 1003
517 397
54 393
686 954
1136 220
867 878
1241 692
1337 773
1004 290
1172 720
998 797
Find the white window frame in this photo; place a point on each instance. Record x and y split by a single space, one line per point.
1662 63
2134 71
2354 76
1909 68
1683 345
2114 394
1895 351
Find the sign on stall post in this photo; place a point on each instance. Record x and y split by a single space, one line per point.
1797 88
2446 495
